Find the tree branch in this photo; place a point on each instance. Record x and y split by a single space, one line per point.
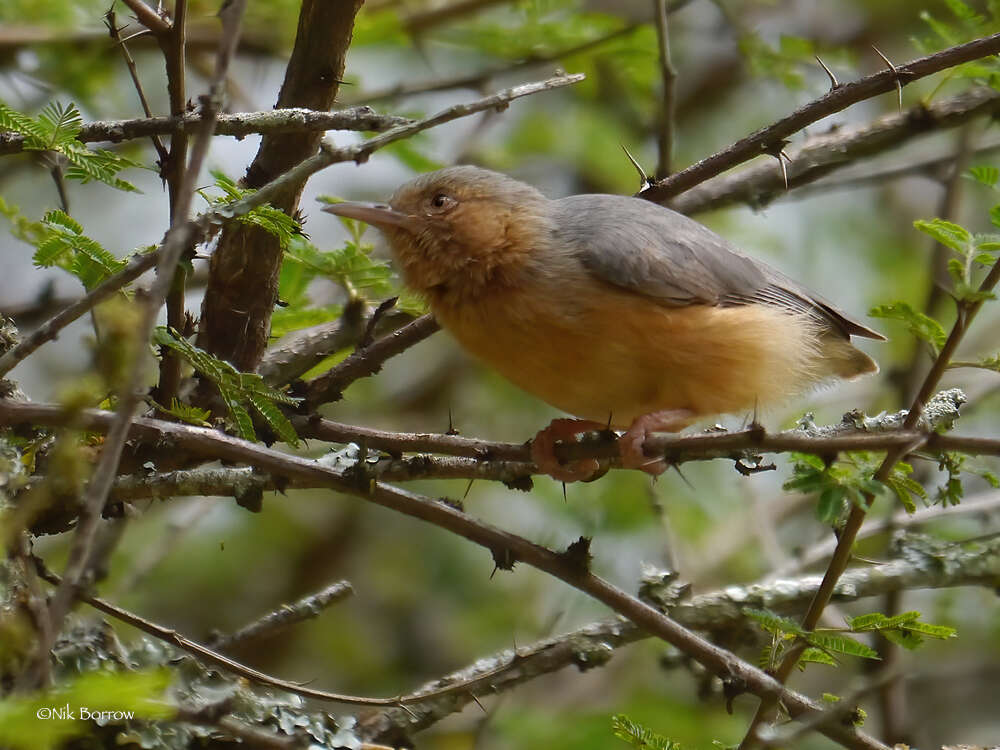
270 122
304 609
771 138
668 78
367 361
717 611
820 155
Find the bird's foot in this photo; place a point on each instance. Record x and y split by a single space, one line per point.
544 445
630 444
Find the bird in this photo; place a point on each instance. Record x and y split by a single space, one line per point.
616 310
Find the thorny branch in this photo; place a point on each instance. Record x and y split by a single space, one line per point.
771 138
472 458
717 612
821 155
305 608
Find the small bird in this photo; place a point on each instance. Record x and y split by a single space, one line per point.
619 311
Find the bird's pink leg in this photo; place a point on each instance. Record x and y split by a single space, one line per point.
630 444
544 455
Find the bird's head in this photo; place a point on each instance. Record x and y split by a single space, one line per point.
457 226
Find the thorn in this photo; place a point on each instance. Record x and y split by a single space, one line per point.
404 707
467 488
565 499
611 415
451 424
784 170
895 73
645 181
473 695
834 83
136 35
677 468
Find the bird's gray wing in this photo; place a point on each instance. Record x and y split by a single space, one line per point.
656 252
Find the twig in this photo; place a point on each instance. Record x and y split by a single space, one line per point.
176 172
937 277
243 276
300 351
764 140
304 609
111 20
820 155
148 17
239 124
668 76
367 361
129 396
213 657
936 168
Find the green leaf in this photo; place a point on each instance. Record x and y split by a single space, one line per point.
947 233
922 326
985 175
638 736
64 245
272 220
186 413
816 656
831 504
240 391
63 123
773 623
34 132
941 632
841 644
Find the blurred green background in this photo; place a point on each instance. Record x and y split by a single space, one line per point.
426 602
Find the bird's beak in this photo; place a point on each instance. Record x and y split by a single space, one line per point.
380 215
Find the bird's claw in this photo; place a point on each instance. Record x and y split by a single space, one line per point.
544 455
630 444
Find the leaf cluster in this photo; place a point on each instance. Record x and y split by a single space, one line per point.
272 220
849 481
639 736
60 242
824 645
240 391
55 130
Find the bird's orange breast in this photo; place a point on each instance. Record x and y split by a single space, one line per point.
596 351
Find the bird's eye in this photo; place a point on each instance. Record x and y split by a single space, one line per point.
441 202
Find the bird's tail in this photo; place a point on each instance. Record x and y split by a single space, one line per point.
841 359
